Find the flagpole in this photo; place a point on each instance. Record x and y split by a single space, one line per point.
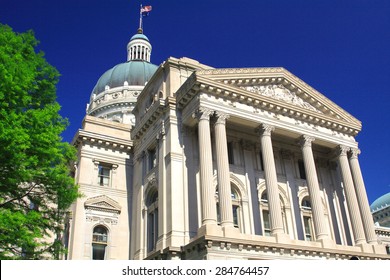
140 18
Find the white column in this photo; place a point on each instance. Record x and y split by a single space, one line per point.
209 211
353 208
314 188
224 189
271 180
362 199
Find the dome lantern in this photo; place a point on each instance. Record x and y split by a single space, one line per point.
139 47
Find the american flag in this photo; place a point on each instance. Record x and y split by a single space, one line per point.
145 10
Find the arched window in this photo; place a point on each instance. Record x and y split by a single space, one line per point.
307 219
152 220
99 243
265 214
264 210
236 206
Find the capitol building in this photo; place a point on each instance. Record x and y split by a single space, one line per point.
187 161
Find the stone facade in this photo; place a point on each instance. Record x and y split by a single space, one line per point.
246 163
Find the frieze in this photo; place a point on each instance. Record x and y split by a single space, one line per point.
279 92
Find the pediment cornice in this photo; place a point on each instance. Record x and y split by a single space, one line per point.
102 203
270 89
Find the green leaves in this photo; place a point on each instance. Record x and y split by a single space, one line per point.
35 186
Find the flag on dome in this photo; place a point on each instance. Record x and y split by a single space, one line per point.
145 10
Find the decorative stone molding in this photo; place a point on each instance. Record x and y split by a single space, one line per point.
306 140
279 92
265 129
343 150
103 204
221 118
202 113
354 153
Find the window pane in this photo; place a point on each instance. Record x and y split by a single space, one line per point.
235 215
104 175
267 227
98 251
307 224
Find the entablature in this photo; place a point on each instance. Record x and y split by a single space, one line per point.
272 91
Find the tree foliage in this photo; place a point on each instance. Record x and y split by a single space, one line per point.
36 188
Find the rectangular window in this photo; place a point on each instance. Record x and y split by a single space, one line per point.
266 223
302 172
261 167
230 152
104 175
307 224
235 216
152 158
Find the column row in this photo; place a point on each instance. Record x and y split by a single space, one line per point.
359 212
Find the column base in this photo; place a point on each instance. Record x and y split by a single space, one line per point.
209 229
231 231
366 248
282 237
379 249
327 243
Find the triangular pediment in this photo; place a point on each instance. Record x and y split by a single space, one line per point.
278 90
102 203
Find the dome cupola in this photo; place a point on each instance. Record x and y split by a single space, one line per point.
115 93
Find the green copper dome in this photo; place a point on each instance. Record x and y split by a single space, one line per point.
132 73
137 71
381 202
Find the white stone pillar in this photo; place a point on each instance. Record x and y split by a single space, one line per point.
362 199
353 208
314 188
271 180
223 175
209 211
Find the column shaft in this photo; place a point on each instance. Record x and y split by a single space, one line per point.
353 208
271 180
314 188
209 212
362 199
224 189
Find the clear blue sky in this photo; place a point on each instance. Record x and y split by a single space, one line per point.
341 48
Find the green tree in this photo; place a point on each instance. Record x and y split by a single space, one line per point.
36 187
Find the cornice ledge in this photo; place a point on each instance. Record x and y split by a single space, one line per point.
101 140
153 113
248 70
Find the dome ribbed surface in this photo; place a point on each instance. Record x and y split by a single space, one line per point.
134 72
381 202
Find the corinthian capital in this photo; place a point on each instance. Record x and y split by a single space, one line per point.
221 117
305 141
355 152
265 129
343 150
202 113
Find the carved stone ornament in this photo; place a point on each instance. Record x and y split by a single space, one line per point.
279 92
202 114
266 129
221 118
306 140
343 150
354 153
103 204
